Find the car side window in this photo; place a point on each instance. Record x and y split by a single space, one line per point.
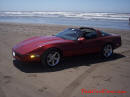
104 33
90 34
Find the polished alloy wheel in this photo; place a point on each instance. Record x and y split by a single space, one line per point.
53 58
107 51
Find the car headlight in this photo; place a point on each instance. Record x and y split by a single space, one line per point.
13 53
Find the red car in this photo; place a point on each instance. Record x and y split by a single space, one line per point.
72 41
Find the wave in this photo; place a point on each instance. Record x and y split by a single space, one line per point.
81 15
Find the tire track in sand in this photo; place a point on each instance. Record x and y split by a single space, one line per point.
74 84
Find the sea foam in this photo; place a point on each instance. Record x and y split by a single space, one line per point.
82 15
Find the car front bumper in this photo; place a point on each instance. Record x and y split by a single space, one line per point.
25 58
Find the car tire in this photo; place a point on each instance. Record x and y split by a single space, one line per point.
51 57
107 51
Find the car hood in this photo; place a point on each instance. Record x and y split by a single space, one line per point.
33 43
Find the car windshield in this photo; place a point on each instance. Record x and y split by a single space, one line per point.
70 34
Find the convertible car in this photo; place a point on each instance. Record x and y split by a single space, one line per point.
72 41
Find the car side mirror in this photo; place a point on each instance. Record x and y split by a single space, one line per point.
81 38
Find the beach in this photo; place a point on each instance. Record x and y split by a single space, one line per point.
67 80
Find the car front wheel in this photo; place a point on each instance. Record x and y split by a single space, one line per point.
107 51
51 57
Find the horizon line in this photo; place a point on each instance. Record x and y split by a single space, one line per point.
59 11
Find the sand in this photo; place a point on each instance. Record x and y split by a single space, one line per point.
67 80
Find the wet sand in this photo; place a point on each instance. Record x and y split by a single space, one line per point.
75 73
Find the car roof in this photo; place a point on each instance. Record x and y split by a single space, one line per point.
81 28
86 28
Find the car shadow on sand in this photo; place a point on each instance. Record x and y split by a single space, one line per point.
68 62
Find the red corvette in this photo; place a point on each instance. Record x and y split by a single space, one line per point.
70 42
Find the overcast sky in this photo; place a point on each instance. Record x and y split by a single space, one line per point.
66 5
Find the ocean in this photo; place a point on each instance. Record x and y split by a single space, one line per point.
89 19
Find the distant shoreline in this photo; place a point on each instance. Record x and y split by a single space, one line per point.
59 25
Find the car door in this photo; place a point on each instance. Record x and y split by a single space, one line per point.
92 42
72 47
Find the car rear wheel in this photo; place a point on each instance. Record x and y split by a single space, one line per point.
51 58
107 51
